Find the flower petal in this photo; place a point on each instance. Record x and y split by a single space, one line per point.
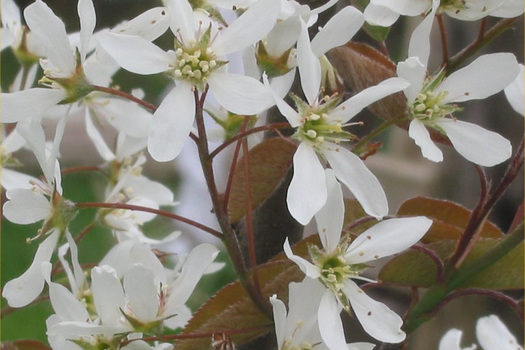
338 30
279 318
419 45
331 216
240 94
493 334
404 7
149 25
451 340
66 305
380 15
108 294
88 20
307 192
515 92
386 238
172 123
288 112
476 144
419 133
182 20
249 28
141 292
486 76
329 321
353 173
309 66
15 107
415 72
376 318
135 54
24 289
309 269
26 206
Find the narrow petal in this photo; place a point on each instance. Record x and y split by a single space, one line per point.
22 290
331 216
492 334
97 139
419 45
355 104
419 133
88 20
182 20
404 7
66 304
486 76
135 54
515 92
15 107
386 238
338 30
476 144
309 66
288 112
279 318
26 206
307 267
376 318
108 294
172 123
451 340
509 9
240 94
141 292
354 174
249 28
148 25
51 31
307 192
415 72
194 267
380 15
330 324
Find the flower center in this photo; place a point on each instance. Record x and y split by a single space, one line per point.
194 65
428 106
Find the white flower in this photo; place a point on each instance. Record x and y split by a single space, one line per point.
298 328
24 43
319 124
492 334
386 12
338 263
431 100
515 92
198 61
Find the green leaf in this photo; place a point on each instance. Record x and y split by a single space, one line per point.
231 309
416 269
450 219
24 345
268 163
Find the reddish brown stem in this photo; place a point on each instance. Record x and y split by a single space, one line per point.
443 35
125 95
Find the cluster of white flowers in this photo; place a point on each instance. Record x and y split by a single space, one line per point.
130 293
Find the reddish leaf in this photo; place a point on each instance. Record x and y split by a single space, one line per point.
24 345
450 219
268 163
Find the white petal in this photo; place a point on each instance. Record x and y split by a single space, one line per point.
451 340
240 94
355 104
250 27
194 267
117 112
329 321
66 304
172 123
515 92
279 318
386 238
487 75
509 9
476 144
22 290
141 292
97 139
15 107
404 7
108 294
26 206
419 45
51 31
182 20
11 180
283 83
148 25
419 133
376 318
493 334
338 30
282 36
331 216
306 267
415 72
88 20
380 15
307 192
354 174
135 54
309 66
288 112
